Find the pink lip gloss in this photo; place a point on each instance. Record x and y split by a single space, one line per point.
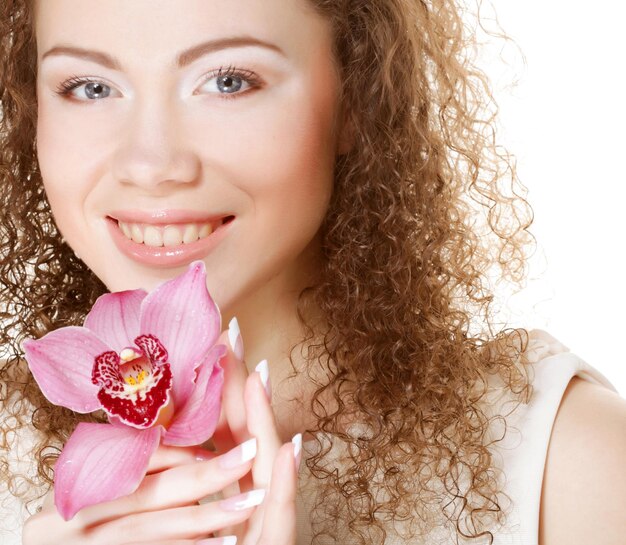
166 256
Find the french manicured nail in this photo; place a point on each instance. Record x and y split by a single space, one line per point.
243 501
297 449
226 540
238 455
263 369
234 338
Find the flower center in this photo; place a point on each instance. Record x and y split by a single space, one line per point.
135 383
135 368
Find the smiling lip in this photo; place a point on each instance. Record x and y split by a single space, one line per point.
167 256
165 216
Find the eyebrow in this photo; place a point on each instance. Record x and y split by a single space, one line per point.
183 59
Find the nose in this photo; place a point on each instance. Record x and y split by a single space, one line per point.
152 151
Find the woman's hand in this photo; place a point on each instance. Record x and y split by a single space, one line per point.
246 413
164 510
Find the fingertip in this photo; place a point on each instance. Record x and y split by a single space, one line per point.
263 370
284 475
234 338
297 450
281 504
256 399
233 330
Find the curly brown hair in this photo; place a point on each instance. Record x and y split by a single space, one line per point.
403 280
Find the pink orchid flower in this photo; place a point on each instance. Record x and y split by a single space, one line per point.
151 362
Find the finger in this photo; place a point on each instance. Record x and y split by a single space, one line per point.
181 485
262 425
177 523
167 456
279 518
231 428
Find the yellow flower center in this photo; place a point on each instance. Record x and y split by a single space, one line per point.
135 368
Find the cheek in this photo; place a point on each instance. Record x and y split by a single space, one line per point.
61 160
54 164
289 160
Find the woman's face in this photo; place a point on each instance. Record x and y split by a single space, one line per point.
158 129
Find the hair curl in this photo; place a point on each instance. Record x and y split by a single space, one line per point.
402 281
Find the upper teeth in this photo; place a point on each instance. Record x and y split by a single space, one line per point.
171 235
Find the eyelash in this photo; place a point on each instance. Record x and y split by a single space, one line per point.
66 87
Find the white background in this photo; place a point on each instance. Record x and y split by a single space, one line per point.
564 120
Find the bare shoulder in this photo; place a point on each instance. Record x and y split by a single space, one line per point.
583 498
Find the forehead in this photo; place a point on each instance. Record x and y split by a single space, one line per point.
151 29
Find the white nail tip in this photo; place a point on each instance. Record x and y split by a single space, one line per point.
248 449
233 332
253 498
297 441
230 540
263 369
234 338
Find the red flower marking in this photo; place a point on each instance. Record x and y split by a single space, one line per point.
135 384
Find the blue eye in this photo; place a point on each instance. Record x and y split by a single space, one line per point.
97 90
94 89
229 83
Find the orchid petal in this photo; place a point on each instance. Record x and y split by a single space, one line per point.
182 315
61 362
195 422
99 463
152 348
114 317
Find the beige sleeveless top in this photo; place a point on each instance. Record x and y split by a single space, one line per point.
521 454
